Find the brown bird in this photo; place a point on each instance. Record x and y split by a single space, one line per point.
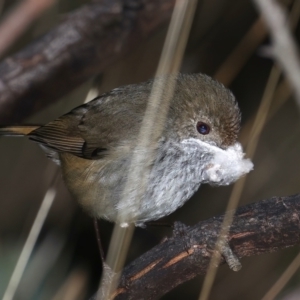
94 143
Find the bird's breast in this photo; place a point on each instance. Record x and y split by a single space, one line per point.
173 178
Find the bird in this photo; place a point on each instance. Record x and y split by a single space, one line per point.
94 143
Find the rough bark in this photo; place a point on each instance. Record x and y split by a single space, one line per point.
90 39
262 227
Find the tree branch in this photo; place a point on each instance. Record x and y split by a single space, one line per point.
90 39
262 227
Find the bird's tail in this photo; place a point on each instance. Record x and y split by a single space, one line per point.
17 130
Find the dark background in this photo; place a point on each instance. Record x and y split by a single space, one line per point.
65 263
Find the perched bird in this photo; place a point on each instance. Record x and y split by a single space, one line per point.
94 143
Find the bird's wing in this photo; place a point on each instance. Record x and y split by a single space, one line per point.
92 129
60 135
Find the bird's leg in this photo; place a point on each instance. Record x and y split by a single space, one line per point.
181 230
223 247
231 259
97 231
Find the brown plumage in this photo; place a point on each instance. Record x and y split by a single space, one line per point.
94 142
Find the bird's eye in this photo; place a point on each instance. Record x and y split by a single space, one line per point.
203 128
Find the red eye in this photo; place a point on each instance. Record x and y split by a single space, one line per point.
203 128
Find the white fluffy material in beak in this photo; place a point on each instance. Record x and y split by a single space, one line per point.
226 166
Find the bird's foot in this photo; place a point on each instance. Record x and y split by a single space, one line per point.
181 230
231 259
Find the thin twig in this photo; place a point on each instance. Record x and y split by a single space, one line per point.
284 48
98 238
283 280
238 187
241 53
31 241
153 122
19 19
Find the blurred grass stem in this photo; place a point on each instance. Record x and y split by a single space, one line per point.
151 129
31 241
19 19
258 125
